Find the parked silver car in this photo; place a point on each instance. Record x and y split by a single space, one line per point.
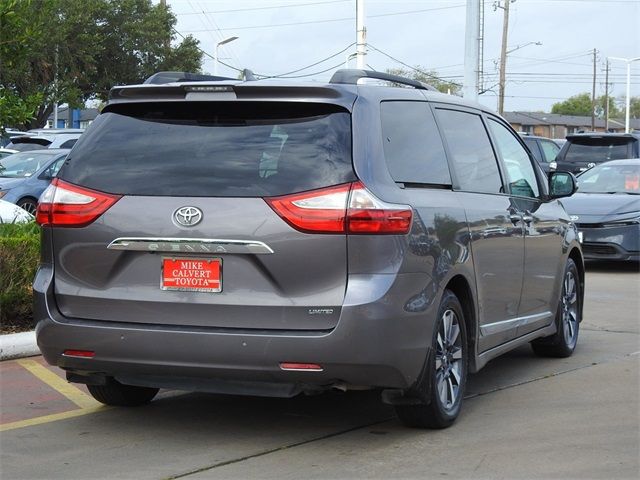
252 237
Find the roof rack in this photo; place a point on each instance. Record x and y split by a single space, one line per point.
351 76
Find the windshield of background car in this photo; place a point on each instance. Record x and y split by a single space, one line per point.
597 150
217 149
611 179
23 164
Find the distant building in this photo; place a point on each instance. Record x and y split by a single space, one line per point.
76 118
553 125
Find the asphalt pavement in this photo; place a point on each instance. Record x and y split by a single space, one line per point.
524 417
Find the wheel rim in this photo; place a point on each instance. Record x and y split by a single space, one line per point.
570 309
29 207
449 363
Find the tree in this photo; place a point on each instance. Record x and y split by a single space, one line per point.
69 51
581 105
634 106
430 77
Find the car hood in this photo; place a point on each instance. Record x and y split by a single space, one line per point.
8 183
599 207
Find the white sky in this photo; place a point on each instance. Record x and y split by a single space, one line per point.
432 36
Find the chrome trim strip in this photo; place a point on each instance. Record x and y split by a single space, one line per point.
190 245
502 325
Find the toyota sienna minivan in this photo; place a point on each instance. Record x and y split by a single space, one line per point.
269 238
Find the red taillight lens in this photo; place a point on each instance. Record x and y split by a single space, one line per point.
317 211
368 214
301 367
65 205
348 208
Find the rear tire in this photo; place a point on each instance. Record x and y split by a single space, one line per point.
563 343
116 394
446 371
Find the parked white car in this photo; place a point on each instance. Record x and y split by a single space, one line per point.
11 213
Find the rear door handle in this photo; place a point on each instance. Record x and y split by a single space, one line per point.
515 217
527 218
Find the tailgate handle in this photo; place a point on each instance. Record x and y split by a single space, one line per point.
190 245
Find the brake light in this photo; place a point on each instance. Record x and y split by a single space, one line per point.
65 205
348 208
79 353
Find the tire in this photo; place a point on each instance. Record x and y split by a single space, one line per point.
28 204
116 394
445 377
563 343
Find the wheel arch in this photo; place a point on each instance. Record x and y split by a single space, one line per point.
461 287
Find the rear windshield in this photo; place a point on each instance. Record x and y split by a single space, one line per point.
222 149
598 149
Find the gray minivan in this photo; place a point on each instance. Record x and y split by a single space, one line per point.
269 238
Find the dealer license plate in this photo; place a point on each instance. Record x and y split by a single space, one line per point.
192 274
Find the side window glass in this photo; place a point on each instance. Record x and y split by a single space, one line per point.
412 145
473 159
533 146
520 173
550 150
53 169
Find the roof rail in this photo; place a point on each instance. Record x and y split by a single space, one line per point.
351 76
170 77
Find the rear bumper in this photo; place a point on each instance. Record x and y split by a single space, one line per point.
377 343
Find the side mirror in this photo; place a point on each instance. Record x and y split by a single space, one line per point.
562 184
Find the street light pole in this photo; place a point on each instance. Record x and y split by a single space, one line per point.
629 61
215 57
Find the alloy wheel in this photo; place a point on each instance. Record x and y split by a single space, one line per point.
448 362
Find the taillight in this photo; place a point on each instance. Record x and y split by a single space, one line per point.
348 208
65 205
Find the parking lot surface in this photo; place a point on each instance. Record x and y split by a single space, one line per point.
524 417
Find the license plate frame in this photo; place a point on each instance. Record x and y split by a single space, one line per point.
170 283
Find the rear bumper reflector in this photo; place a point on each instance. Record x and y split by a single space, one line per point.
79 353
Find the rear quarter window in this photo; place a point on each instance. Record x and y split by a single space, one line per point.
412 145
217 149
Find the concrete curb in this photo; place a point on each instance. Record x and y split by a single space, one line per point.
18 345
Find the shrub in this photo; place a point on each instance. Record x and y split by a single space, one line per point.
19 256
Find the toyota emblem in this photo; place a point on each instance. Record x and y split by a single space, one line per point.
187 216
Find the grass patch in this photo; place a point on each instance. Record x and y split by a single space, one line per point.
19 257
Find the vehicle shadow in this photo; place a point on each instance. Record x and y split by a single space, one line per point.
605 266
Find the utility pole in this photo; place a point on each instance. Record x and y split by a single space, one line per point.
593 94
361 35
503 54
471 51
606 97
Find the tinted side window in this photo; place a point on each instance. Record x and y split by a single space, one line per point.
533 146
549 149
521 176
412 145
473 159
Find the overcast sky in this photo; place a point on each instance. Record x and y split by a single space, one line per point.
279 36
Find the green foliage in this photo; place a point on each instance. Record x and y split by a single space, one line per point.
634 106
70 51
581 105
19 256
427 76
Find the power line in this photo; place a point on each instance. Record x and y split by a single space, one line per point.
442 79
313 64
269 7
331 20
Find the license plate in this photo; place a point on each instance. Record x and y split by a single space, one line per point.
192 274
